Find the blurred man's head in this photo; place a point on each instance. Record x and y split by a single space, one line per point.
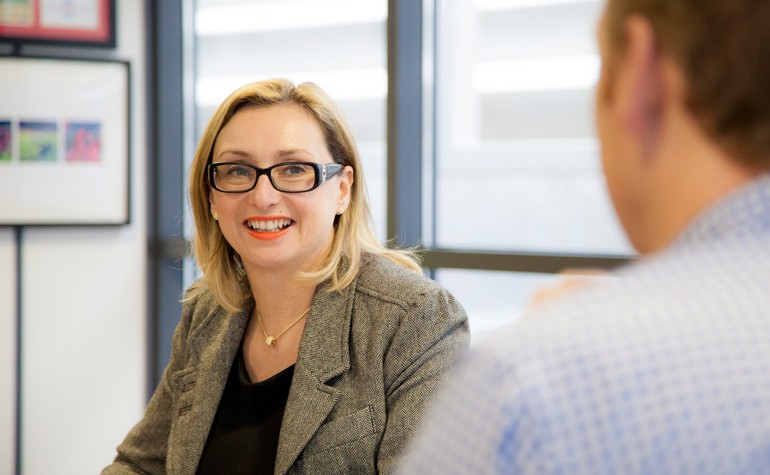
683 107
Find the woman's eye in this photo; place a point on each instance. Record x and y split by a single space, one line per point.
238 171
293 170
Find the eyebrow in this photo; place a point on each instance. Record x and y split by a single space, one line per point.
233 152
294 151
281 153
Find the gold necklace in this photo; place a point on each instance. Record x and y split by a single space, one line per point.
272 340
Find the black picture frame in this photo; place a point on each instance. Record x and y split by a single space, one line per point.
64 141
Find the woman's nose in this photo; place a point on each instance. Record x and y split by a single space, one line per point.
264 194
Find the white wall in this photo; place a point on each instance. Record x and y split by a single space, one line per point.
7 349
84 318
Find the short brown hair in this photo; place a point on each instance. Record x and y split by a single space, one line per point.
353 238
723 50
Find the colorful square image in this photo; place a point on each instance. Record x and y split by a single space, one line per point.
84 141
37 141
17 13
5 141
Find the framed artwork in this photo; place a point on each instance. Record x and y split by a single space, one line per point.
64 141
64 22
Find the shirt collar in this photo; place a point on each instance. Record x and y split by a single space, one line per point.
742 213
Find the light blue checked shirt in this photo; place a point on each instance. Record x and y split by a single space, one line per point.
662 370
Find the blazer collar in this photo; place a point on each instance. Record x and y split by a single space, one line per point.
323 355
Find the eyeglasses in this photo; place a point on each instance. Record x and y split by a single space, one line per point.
288 177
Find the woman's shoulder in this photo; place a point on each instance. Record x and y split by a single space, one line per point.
380 276
409 301
197 292
199 302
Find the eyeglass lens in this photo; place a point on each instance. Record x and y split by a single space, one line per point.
284 177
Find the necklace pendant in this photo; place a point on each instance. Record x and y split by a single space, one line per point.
270 341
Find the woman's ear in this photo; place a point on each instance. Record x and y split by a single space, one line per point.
213 209
345 188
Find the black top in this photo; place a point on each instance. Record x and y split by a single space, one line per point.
244 435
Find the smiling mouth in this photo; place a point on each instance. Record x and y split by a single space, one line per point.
269 226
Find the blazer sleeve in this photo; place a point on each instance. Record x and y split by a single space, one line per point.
429 340
144 449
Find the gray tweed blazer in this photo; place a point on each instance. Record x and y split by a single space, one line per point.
370 360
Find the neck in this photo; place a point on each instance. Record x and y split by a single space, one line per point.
280 299
697 173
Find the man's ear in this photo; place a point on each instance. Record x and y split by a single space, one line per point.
641 86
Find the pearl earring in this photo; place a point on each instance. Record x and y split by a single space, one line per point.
215 215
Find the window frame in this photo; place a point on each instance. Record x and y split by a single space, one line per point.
411 162
411 129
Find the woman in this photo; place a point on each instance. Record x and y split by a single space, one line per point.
307 347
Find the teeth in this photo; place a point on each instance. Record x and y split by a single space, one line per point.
269 226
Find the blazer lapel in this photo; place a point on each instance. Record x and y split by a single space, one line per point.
323 354
213 348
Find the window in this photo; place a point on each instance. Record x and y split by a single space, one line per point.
511 188
517 166
517 162
491 298
337 44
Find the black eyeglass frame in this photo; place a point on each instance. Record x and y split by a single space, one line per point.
323 172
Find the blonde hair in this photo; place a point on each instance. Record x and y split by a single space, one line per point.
353 238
